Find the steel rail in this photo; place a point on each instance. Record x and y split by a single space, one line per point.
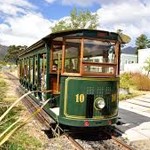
116 140
45 119
42 116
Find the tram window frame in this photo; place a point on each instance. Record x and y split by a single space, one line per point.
60 45
111 66
107 68
21 68
75 70
26 69
56 56
72 55
31 69
43 72
36 70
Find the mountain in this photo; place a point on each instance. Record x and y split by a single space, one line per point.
3 51
129 50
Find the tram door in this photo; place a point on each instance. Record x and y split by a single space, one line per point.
55 69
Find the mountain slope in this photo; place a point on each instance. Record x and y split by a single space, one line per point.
129 50
3 51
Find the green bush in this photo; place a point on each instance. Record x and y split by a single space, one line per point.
125 80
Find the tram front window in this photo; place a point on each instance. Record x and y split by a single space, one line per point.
72 56
98 56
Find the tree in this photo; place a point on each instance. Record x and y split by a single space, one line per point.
61 25
142 42
147 66
77 20
13 52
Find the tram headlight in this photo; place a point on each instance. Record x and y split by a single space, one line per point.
99 103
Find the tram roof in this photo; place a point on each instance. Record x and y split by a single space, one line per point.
75 33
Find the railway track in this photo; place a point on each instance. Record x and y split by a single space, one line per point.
101 140
105 140
42 116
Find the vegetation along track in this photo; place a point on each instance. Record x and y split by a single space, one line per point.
100 140
42 116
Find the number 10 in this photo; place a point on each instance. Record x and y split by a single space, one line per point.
79 98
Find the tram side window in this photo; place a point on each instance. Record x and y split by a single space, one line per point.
26 68
21 68
31 70
102 52
72 56
56 56
35 71
111 54
43 71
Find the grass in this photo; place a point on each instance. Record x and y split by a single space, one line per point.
128 96
21 140
3 89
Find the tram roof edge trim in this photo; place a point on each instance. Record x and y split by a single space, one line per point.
77 32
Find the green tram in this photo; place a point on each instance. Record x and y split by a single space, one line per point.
79 69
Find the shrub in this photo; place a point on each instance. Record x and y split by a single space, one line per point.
142 82
136 80
125 80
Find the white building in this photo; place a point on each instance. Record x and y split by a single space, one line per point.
143 55
127 59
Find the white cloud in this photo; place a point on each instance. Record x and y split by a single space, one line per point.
82 3
24 30
132 16
13 7
22 25
50 1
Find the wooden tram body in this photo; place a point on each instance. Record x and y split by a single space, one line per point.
79 69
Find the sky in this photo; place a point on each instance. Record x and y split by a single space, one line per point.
23 22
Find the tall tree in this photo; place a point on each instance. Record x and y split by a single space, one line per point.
142 42
78 20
